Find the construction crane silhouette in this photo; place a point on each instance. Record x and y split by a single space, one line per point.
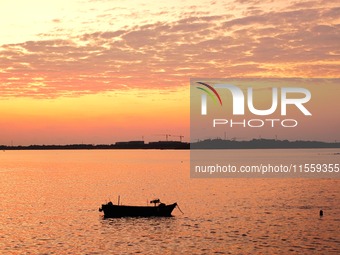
166 136
180 137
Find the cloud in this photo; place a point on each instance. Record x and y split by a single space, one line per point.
164 55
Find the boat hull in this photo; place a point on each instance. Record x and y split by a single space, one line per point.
115 211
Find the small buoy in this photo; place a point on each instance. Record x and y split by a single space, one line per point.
321 213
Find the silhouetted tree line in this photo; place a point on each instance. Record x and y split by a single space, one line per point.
261 144
173 145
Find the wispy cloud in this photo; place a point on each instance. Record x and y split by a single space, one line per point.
299 40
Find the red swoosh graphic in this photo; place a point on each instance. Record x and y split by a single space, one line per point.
212 89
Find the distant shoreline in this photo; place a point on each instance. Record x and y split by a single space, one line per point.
176 145
261 144
139 145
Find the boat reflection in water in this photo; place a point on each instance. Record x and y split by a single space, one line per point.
157 210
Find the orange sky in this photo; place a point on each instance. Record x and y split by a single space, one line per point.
103 71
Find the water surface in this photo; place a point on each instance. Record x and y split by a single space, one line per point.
50 200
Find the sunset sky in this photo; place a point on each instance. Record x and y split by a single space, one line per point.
101 71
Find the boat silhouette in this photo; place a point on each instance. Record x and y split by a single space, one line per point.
157 210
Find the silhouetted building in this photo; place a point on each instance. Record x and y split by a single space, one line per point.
130 145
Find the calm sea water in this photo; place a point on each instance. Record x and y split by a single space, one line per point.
50 200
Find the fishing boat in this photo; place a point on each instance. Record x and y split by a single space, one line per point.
157 210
